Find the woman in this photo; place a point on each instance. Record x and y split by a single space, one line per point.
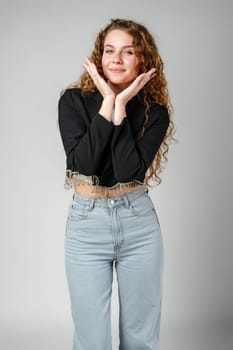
114 124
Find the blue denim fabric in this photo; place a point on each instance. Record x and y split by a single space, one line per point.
99 232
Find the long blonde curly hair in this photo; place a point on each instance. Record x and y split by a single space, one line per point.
155 91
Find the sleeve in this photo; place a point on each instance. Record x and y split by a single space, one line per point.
84 141
132 158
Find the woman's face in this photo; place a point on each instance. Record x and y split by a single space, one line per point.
119 62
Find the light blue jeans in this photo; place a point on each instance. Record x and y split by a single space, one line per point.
126 230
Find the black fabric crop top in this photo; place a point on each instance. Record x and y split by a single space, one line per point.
101 152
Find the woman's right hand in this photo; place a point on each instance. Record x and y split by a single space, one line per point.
100 83
106 109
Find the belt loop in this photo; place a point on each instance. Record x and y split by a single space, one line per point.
91 203
127 201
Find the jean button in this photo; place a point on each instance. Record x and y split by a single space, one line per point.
112 201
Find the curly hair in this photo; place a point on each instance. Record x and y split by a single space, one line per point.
155 91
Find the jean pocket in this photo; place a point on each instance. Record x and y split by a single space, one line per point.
143 206
78 211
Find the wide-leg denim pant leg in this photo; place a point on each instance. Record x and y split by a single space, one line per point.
126 230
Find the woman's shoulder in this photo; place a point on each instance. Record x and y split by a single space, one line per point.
71 91
158 109
76 92
77 95
79 92
158 113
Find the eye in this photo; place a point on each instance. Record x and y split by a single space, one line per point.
128 52
108 51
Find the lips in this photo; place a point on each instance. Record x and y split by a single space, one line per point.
117 70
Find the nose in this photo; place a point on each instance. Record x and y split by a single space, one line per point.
117 58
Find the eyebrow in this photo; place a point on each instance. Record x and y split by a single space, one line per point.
125 46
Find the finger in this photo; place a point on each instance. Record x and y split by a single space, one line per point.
143 81
152 73
92 75
143 78
139 79
89 63
91 68
88 59
85 66
152 70
149 75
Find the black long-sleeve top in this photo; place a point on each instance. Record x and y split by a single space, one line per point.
97 148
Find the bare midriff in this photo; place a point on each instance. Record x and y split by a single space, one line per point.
85 189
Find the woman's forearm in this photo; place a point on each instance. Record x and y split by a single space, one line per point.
106 109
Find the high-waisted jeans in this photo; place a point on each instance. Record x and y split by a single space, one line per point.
126 230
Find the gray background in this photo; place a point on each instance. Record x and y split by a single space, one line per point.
43 45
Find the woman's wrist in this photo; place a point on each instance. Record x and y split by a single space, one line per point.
106 108
120 111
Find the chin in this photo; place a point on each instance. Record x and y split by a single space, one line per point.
120 81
